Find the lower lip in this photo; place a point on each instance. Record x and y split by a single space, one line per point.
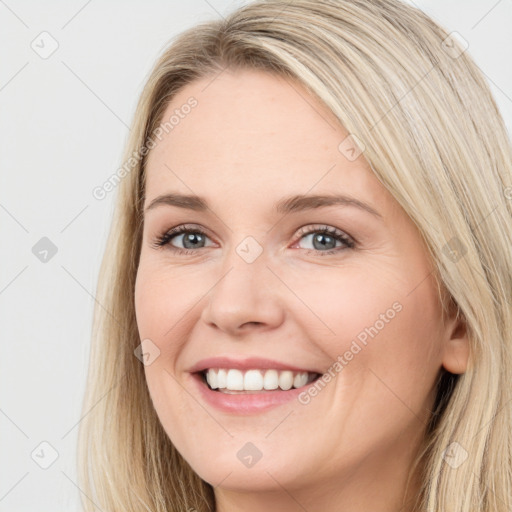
245 403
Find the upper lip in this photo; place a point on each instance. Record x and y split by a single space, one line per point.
245 364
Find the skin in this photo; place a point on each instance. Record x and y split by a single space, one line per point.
251 141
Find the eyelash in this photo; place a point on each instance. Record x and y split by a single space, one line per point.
165 239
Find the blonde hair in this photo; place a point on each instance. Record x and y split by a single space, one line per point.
434 137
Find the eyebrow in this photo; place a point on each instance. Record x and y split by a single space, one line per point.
287 205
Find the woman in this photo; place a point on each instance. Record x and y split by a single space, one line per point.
305 299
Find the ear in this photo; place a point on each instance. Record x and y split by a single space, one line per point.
456 345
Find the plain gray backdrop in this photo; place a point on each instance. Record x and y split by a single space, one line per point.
71 73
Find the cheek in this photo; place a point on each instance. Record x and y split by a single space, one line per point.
163 305
375 318
164 298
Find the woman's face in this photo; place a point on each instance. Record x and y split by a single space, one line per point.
357 303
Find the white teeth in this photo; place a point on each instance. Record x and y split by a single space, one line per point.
271 380
286 380
213 380
221 378
253 380
300 380
235 380
256 380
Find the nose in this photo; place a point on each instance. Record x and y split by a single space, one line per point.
246 296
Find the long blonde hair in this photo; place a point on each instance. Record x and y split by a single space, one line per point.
433 136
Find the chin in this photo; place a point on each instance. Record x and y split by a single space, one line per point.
227 471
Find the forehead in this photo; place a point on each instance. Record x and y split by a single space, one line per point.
255 135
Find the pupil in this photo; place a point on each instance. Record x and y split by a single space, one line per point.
193 238
320 238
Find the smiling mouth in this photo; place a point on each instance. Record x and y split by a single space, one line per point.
233 381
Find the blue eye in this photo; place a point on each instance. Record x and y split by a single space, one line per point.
191 236
322 237
325 237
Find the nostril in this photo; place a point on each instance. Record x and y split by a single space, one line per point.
251 323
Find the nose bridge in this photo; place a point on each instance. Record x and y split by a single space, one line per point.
244 292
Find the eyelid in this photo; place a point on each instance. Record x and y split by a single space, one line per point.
325 228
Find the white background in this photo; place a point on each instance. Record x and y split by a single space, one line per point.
63 124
